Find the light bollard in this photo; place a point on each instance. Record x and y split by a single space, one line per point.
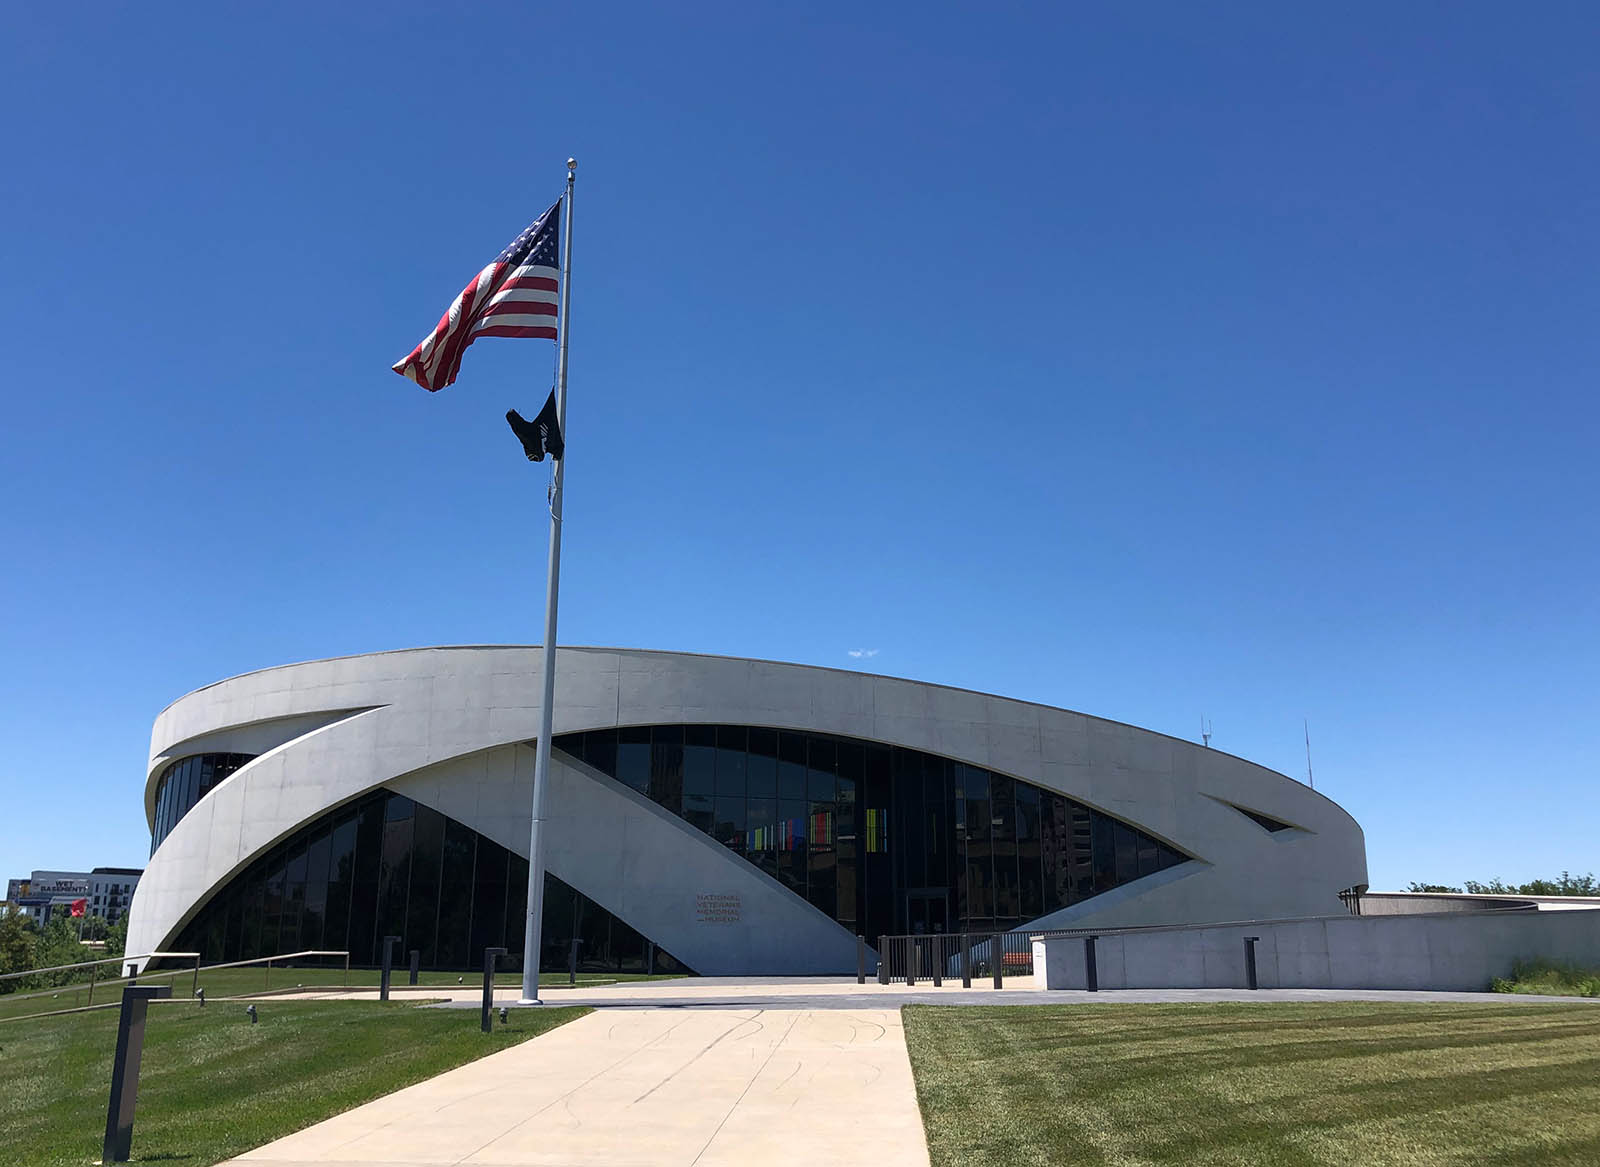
125 1070
490 955
572 963
996 957
388 966
966 961
416 964
1091 973
883 960
1250 961
861 959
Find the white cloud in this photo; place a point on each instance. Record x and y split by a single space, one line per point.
858 653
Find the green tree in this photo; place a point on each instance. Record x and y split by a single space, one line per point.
58 945
16 947
1434 887
117 936
1567 885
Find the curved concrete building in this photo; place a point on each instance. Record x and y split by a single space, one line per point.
722 815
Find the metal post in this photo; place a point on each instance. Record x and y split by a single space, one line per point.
125 1070
883 960
572 963
93 968
966 961
267 983
1250 961
486 1020
1091 973
195 988
650 958
541 753
861 959
416 963
388 966
996 957
347 968
938 960
911 962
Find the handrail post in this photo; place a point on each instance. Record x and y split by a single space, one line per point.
136 1000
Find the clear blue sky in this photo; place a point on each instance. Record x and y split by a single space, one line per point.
1153 361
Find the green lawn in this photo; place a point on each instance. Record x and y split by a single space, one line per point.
213 1085
1342 1085
230 982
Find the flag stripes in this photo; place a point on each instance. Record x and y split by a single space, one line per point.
516 296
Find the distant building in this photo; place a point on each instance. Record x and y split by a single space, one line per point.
106 892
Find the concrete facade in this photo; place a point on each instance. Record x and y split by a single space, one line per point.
450 726
1453 952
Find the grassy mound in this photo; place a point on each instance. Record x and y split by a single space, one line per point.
213 1085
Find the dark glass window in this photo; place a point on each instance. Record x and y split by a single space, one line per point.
633 757
863 831
475 880
666 767
184 783
762 765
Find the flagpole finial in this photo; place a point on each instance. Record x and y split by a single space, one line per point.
572 164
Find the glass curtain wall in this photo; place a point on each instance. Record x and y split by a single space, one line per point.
184 783
885 840
387 866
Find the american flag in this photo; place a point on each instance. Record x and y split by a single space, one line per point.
514 296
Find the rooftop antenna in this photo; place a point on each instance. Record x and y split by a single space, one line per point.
1205 731
1310 781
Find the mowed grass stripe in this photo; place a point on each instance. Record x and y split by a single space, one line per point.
1282 1083
212 1085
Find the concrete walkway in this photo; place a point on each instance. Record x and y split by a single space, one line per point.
816 993
649 1087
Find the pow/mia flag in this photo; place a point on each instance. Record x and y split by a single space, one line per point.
540 436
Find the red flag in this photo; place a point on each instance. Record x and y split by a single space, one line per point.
78 907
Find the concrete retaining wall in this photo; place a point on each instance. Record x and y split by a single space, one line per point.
1452 952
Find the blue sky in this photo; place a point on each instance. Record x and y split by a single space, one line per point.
1155 361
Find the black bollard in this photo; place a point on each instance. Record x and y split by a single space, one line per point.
883 960
1250 961
966 961
996 957
486 1022
938 960
572 963
388 966
861 959
1091 973
416 963
125 1070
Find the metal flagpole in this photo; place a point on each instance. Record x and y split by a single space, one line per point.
541 757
